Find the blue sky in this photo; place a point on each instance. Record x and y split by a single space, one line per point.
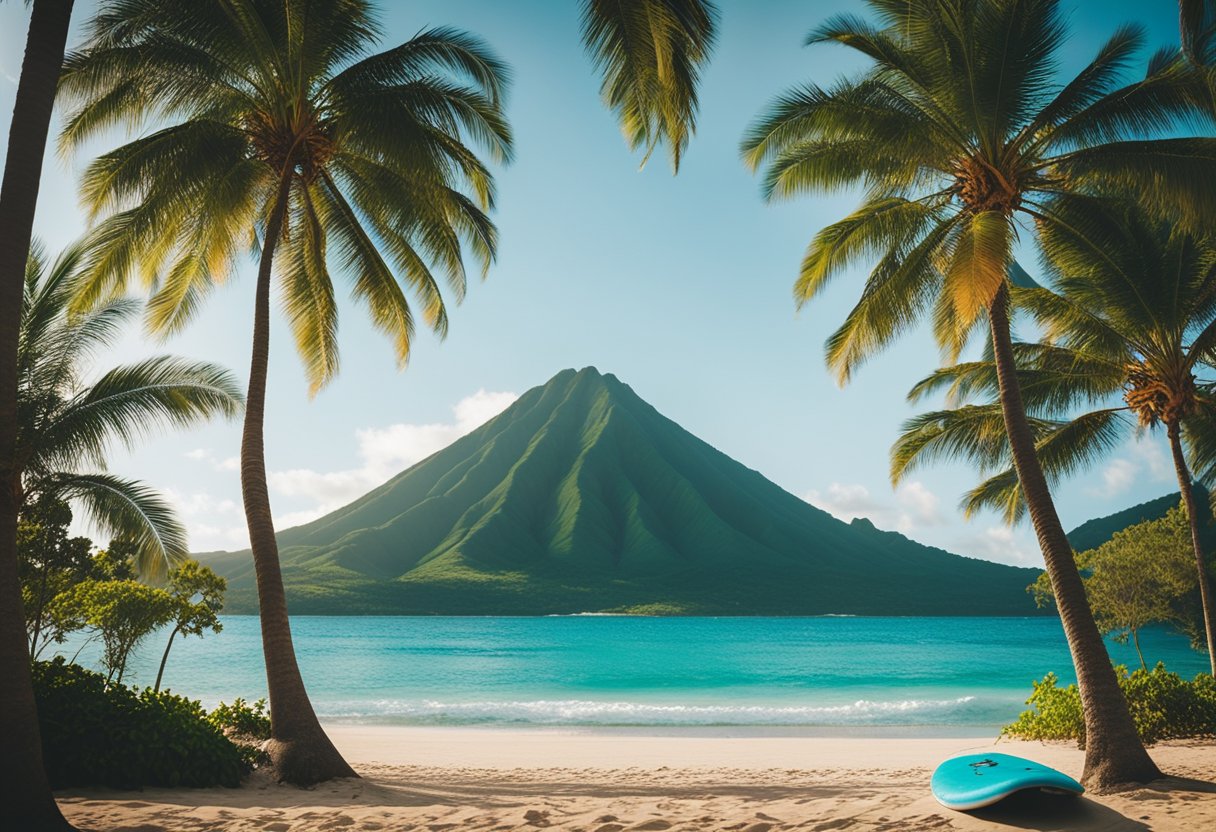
678 285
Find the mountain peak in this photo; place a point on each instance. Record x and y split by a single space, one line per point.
581 497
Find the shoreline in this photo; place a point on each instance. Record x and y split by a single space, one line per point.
438 779
739 731
470 747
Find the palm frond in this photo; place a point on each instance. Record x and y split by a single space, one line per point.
651 54
130 511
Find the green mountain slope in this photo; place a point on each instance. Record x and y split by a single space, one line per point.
581 497
1093 533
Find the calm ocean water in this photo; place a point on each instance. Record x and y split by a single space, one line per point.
772 675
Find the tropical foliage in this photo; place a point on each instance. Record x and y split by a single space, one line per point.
957 132
198 596
278 130
49 563
66 423
1128 327
276 110
121 613
1143 575
102 734
1163 704
651 54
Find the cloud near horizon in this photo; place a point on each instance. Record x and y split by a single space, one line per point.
218 523
915 506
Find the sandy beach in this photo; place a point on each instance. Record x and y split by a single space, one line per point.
438 779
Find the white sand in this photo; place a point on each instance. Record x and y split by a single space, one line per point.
439 779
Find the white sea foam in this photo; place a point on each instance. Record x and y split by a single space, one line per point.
592 712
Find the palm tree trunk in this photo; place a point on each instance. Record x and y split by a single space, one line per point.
1114 754
1206 599
301 752
165 657
26 801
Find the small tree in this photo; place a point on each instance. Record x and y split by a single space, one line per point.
198 595
1142 575
123 613
48 562
117 562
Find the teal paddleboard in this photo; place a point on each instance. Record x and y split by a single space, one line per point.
977 780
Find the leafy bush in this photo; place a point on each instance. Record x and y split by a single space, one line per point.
242 719
1164 706
244 725
112 735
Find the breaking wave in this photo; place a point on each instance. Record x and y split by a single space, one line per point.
590 712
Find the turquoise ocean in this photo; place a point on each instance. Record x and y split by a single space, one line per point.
830 675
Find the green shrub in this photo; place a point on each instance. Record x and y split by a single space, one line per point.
242 719
112 735
244 725
1164 706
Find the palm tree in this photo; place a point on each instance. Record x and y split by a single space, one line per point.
66 425
284 134
26 801
956 134
651 53
1133 314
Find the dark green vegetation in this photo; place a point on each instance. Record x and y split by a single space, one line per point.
1164 706
582 497
95 733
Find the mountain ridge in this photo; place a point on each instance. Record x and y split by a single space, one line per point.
581 497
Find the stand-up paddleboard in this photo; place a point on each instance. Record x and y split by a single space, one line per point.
977 780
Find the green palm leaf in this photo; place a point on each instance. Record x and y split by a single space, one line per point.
67 423
651 53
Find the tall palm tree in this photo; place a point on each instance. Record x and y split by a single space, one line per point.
284 134
66 424
1133 315
651 53
26 801
957 133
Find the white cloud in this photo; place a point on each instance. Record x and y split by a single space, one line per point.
383 453
386 451
1150 452
918 507
230 463
213 522
915 505
845 501
1117 477
999 543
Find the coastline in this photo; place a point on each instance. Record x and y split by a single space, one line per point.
437 779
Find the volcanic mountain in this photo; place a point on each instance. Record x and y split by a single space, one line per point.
581 497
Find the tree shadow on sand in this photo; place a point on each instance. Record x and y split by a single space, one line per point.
1033 809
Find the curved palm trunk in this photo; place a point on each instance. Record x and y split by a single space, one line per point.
1206 600
26 801
301 752
1114 754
